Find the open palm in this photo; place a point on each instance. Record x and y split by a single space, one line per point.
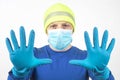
98 56
22 56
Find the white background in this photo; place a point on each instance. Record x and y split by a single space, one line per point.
105 14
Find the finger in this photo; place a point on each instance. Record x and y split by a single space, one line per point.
41 62
87 41
9 46
22 37
31 39
45 61
14 40
111 45
104 39
95 38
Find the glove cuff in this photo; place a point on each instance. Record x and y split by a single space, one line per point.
20 73
102 74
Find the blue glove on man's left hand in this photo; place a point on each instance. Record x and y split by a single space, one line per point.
97 57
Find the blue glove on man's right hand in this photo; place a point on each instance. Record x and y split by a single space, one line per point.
22 56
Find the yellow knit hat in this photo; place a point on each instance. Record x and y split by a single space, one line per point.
58 12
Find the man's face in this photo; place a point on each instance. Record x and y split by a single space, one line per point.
60 25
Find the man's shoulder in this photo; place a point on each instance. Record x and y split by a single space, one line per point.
79 52
78 49
41 47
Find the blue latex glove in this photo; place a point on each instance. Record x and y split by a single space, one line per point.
22 57
97 57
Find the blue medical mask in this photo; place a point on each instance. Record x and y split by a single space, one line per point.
59 38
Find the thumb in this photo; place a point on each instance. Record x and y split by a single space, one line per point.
83 63
41 62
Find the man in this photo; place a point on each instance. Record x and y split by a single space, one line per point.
61 60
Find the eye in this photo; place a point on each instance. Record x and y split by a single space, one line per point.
53 26
66 26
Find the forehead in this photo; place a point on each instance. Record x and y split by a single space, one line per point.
60 22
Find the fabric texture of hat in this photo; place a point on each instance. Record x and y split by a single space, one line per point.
58 12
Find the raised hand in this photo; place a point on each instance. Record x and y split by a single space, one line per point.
98 56
22 56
